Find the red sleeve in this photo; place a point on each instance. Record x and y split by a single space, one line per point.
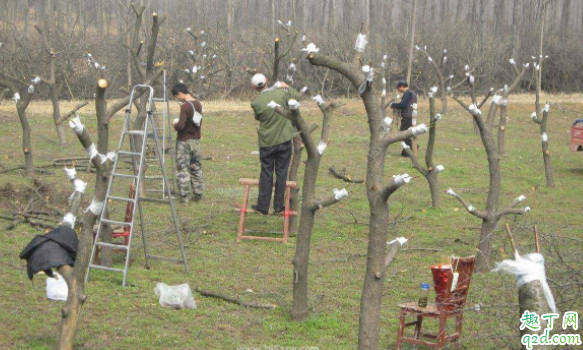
182 119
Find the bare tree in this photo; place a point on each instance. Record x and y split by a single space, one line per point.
412 40
536 116
310 204
378 193
441 79
431 172
492 215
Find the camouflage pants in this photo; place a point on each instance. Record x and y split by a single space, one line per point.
189 169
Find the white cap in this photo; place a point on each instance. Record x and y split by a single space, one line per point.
259 80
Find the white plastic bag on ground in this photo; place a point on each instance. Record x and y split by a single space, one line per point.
176 297
57 288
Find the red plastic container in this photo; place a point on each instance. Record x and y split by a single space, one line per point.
577 136
442 279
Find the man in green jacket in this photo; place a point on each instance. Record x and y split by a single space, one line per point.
275 146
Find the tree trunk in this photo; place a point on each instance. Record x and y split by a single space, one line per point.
516 25
483 260
26 144
57 115
502 129
293 176
412 41
531 298
433 180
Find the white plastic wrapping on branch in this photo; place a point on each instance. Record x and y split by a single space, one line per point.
471 208
439 168
293 105
340 193
16 97
497 99
70 219
402 179
303 38
71 173
31 89
360 43
111 156
400 240
547 108
526 269
526 209
203 44
404 145
437 116
433 89
91 151
533 115
512 61
520 198
273 105
388 121
311 48
191 52
429 59
80 185
384 93
304 89
76 125
420 129
474 110
322 147
444 60
319 100
451 192
95 207
544 137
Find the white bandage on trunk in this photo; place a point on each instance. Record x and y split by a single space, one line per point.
322 147
388 121
16 97
319 100
512 61
533 115
95 207
402 179
429 59
451 192
437 116
80 185
339 194
497 99
400 240
439 168
384 93
471 208
547 108
70 219
293 105
71 173
420 129
111 156
474 110
526 269
360 43
433 89
544 137
92 151
76 125
273 105
31 89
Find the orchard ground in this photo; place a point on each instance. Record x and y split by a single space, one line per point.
131 318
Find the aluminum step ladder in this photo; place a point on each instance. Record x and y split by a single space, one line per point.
138 158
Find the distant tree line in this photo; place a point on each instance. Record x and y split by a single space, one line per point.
238 35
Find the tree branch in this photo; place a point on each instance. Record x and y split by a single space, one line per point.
66 117
470 208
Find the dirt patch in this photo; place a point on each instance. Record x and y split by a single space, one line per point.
39 196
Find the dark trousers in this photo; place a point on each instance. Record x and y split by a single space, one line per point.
406 123
273 158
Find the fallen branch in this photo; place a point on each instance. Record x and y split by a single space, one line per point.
235 300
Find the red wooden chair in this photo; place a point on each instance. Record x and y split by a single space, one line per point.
287 213
450 306
120 231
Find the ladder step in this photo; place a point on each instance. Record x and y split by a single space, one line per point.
99 267
118 223
112 245
124 199
135 132
133 154
124 175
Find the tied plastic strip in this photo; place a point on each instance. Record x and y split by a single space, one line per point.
451 192
16 97
71 173
497 99
544 137
304 89
92 151
433 89
474 110
400 240
319 100
31 89
547 108
420 129
70 219
402 179
360 43
404 145
273 105
76 125
384 93
339 194
80 185
512 61
368 79
322 147
311 48
388 121
526 269
95 207
439 168
111 156
293 105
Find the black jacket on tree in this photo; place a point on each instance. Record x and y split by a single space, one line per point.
53 250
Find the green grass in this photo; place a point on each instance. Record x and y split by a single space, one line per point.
131 318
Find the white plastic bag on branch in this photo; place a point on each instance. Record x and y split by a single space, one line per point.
528 268
360 43
322 147
177 297
319 100
311 48
293 105
16 97
57 288
71 173
400 240
76 125
339 194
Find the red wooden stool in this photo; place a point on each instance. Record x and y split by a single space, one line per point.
451 307
118 231
287 213
577 136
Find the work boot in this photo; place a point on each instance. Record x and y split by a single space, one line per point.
256 209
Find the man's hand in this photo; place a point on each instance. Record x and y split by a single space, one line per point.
391 104
281 85
175 121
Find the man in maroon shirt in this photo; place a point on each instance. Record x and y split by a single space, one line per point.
190 179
